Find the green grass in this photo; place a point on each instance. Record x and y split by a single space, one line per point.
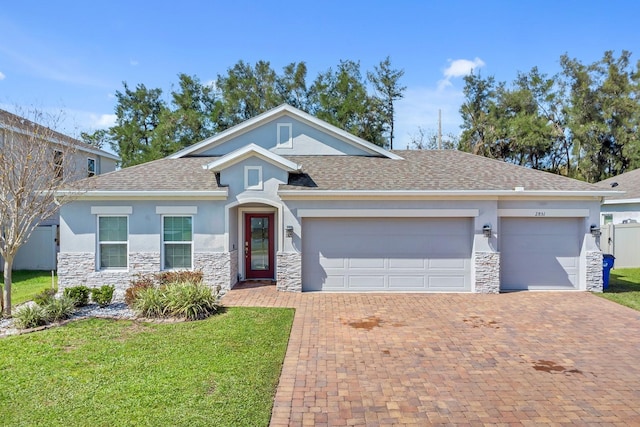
222 371
624 287
27 283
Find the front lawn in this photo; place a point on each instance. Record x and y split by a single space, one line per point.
28 283
222 371
624 287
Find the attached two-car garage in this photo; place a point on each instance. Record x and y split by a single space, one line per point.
387 254
436 254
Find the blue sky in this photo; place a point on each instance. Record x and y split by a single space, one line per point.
74 55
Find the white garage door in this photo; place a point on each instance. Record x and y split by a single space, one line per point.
390 254
539 253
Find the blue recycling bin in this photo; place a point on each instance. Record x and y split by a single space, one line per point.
607 264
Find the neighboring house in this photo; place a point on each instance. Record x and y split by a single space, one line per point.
620 219
40 251
287 197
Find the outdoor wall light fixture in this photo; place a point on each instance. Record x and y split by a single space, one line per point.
486 230
595 230
289 230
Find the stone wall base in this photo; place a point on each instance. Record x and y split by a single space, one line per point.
220 270
487 271
289 271
594 271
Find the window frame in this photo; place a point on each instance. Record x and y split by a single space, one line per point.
289 142
90 172
259 185
119 242
164 243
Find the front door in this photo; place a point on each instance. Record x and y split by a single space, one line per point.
258 246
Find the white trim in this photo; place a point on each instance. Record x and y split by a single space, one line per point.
126 195
388 213
620 201
544 213
163 243
281 111
251 150
247 186
98 243
176 210
289 142
111 210
391 194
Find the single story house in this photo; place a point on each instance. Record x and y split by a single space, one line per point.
287 197
620 219
39 252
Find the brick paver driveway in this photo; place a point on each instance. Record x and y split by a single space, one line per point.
419 359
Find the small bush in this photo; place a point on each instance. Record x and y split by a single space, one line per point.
44 297
189 300
149 302
30 316
131 294
59 309
103 295
78 294
166 277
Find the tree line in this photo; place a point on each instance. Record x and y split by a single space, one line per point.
581 122
149 127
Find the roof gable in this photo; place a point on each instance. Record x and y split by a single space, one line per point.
284 111
251 150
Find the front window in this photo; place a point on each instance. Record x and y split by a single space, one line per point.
113 236
177 237
91 167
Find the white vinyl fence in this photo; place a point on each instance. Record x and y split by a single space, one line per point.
623 242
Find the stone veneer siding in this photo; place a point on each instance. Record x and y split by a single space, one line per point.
289 275
79 268
487 270
594 271
220 269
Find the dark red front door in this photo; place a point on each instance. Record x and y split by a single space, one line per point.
258 246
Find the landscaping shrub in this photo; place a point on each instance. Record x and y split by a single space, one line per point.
30 316
78 294
43 298
103 295
131 294
59 309
190 300
149 302
166 277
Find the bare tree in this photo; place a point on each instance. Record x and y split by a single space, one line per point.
35 162
424 139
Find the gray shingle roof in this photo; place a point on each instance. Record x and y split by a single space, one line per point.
628 182
159 175
428 170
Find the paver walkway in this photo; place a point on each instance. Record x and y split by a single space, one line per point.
453 359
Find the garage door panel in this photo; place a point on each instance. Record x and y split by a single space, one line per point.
539 253
406 263
366 263
387 254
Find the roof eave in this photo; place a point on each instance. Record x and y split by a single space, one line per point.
221 194
395 194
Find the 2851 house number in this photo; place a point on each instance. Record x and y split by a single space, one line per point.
540 213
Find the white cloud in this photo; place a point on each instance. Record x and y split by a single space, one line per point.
105 120
2 76
459 68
